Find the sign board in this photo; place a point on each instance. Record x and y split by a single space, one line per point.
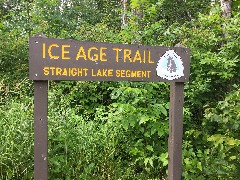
58 59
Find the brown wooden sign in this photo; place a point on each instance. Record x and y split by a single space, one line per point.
58 59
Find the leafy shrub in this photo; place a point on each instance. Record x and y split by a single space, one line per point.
16 132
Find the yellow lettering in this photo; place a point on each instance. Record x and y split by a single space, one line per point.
44 50
52 70
134 74
102 54
144 73
58 71
65 73
50 51
46 71
149 58
73 71
93 73
118 73
81 53
99 73
117 50
148 74
137 57
85 71
110 72
95 56
139 74
79 71
64 52
144 56
128 73
127 54
123 73
104 71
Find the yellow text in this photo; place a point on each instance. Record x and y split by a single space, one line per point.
58 71
133 73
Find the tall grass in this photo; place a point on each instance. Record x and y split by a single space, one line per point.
79 148
16 140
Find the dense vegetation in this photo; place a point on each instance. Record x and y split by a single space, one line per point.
119 130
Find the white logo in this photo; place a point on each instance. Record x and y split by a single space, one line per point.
170 66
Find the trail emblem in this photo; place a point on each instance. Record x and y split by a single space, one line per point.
170 66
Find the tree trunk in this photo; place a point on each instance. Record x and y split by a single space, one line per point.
213 2
226 8
226 12
124 6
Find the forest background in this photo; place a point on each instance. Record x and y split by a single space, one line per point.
119 130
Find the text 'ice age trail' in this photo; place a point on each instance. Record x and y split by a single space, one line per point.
95 54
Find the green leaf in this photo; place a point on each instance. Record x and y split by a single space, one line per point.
150 148
162 109
146 161
199 165
144 119
125 124
150 162
233 157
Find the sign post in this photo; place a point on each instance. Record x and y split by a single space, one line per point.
175 131
40 130
58 59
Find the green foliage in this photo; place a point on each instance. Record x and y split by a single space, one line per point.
144 120
112 130
226 115
220 158
16 157
79 148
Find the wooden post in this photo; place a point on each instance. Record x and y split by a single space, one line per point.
175 131
40 130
